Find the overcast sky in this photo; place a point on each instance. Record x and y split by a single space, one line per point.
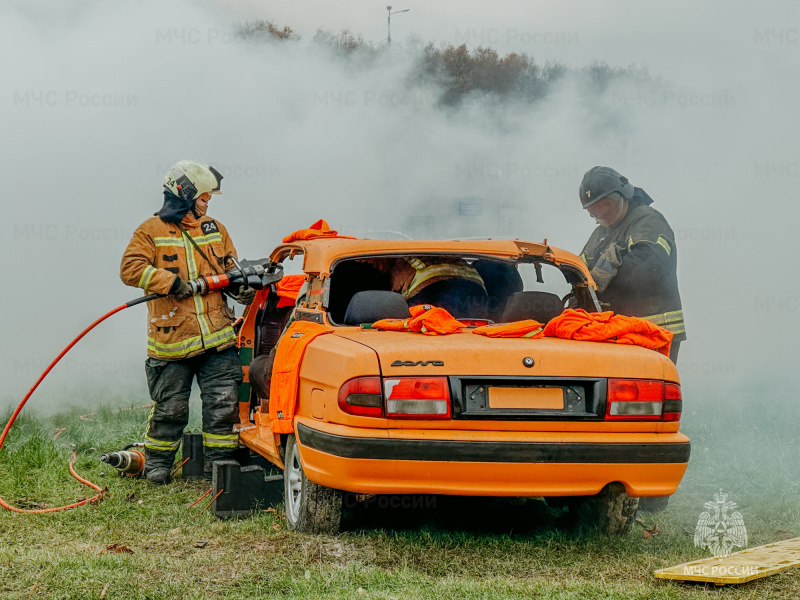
98 99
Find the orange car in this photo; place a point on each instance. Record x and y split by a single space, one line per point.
384 412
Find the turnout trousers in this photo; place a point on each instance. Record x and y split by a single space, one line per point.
219 375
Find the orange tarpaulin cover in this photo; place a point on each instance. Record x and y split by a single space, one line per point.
426 319
319 229
288 288
286 373
608 327
523 329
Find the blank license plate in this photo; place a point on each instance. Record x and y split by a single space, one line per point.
546 398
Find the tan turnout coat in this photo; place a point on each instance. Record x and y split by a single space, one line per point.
156 254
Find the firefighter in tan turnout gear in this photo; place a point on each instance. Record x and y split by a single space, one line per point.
187 336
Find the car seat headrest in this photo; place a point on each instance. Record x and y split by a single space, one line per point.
373 305
540 306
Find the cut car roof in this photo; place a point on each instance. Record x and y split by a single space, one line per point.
319 254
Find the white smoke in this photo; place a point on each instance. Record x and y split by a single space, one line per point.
99 99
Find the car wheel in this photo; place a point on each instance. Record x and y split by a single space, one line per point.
310 508
612 511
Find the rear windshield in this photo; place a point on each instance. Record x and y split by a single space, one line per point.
469 287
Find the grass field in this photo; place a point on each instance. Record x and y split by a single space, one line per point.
441 548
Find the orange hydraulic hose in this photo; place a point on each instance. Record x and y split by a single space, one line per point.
13 418
198 500
219 493
175 470
86 482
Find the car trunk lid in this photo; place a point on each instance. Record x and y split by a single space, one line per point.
467 354
543 379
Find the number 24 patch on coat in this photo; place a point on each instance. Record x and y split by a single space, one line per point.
209 227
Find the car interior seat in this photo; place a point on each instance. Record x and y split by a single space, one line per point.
373 305
347 279
460 297
502 280
540 306
270 323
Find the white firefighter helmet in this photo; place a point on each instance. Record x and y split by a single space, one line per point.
189 179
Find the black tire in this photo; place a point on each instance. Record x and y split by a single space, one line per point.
611 511
310 508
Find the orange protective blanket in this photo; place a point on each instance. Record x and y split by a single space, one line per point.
288 288
517 329
425 319
320 229
608 327
286 373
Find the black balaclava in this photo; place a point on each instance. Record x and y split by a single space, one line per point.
175 207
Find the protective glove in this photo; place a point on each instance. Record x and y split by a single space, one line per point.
244 295
180 290
607 266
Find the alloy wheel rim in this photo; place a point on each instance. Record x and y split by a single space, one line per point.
294 478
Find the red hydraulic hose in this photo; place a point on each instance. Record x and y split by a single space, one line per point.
219 493
13 418
198 500
175 470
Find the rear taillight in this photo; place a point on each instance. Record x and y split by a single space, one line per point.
643 400
362 396
402 397
417 397
673 402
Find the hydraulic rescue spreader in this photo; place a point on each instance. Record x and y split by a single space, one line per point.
127 462
257 274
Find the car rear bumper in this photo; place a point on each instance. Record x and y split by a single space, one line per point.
495 464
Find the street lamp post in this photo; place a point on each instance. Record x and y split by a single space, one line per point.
389 20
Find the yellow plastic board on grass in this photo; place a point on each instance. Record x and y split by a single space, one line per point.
739 567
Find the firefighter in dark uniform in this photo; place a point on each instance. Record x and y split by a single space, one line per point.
633 259
632 254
